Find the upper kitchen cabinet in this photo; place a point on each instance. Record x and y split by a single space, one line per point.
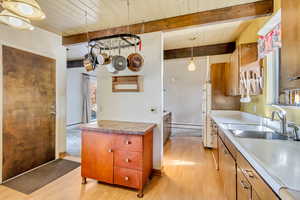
242 56
290 60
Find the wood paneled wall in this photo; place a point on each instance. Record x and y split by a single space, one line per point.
28 99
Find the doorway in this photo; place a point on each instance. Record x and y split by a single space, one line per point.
81 106
183 95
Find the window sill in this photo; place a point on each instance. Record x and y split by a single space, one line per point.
285 106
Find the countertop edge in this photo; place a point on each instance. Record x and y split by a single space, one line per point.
118 131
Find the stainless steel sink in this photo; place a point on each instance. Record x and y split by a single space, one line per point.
269 135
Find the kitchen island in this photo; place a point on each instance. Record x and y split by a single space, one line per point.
118 152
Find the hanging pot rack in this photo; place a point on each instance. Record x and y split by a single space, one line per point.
116 41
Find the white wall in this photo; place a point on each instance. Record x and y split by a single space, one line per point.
74 94
46 44
183 89
136 106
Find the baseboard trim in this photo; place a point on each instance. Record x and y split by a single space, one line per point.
157 172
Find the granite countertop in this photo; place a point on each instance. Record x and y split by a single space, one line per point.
277 161
120 127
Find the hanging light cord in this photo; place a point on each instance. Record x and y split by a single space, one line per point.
128 16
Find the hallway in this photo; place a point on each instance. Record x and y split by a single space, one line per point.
189 174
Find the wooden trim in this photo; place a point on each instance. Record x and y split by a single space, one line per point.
237 12
157 172
207 50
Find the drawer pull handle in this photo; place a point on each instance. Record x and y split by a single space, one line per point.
128 142
245 185
126 178
127 160
250 173
110 150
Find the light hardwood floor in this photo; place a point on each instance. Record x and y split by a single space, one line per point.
189 174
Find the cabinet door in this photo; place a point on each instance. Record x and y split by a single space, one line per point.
230 175
97 156
255 195
243 186
290 59
221 158
248 53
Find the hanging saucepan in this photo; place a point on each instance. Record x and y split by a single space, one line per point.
103 58
88 62
119 62
135 61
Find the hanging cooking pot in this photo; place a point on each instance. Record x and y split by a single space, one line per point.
119 62
135 62
88 62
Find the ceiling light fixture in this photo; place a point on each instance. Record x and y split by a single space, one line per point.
25 8
15 20
192 66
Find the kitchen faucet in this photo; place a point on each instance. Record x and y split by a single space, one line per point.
282 116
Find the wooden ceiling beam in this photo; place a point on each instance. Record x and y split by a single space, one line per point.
208 50
237 12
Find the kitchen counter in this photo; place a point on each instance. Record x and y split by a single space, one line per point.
277 161
119 127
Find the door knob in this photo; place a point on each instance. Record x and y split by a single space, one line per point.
126 178
128 142
127 160
110 150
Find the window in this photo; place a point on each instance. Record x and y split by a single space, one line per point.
274 94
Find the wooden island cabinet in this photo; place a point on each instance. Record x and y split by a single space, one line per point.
117 153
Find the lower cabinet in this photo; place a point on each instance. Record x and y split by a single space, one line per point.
244 190
120 159
227 167
239 178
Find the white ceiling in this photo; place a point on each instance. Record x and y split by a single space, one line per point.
67 17
205 35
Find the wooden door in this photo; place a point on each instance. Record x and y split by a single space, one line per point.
97 156
28 101
243 186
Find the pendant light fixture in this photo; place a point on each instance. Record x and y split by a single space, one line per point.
26 8
15 21
192 66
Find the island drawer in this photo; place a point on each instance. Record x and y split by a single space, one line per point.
127 177
259 185
128 142
128 159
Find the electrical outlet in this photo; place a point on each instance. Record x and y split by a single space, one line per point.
254 108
